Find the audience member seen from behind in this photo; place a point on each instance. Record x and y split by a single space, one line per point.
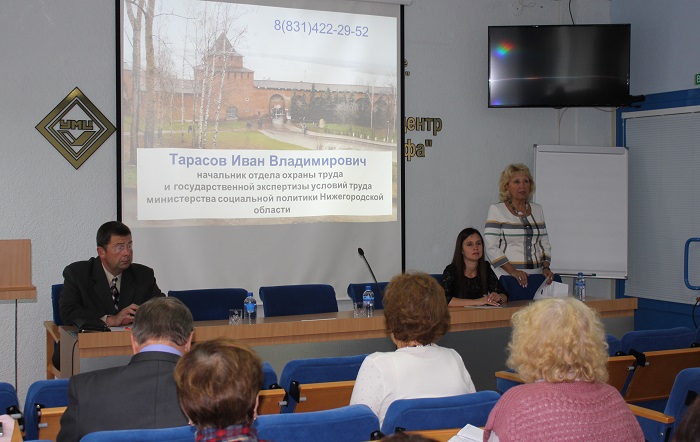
110 287
516 234
218 383
141 394
558 347
469 279
688 430
416 316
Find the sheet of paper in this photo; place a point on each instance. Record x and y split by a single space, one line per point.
469 433
553 290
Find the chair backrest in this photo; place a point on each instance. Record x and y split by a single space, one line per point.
315 370
686 389
654 379
439 413
321 396
8 397
56 290
42 394
210 304
269 374
518 293
614 344
176 434
284 300
657 339
438 277
271 401
658 427
353 423
355 292
50 422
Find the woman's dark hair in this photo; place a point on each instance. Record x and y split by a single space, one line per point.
458 262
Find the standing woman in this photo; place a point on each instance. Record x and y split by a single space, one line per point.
469 279
516 234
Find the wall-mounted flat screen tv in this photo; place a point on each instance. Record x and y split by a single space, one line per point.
559 65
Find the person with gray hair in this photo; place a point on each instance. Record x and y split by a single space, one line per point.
141 394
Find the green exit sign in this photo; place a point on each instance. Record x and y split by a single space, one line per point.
697 79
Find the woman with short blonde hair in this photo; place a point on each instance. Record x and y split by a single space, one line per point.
558 346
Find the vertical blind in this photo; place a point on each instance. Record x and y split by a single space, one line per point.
664 203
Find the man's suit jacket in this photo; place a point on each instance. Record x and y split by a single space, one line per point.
141 395
86 293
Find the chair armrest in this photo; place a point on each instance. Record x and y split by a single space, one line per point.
509 375
651 414
52 330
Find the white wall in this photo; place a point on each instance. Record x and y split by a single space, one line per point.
664 53
51 46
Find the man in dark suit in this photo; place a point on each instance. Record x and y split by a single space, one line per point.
110 287
140 395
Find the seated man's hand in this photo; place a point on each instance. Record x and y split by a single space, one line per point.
124 317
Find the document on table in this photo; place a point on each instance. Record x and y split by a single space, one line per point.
469 433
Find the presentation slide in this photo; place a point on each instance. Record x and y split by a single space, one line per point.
265 125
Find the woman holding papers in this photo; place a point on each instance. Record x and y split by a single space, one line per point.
558 347
416 316
469 279
515 233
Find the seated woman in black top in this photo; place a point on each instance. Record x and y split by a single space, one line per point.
469 280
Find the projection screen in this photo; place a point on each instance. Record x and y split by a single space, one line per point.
260 142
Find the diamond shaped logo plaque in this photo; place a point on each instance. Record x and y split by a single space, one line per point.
76 128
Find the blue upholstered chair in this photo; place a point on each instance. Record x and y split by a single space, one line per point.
176 434
210 304
56 290
614 345
314 370
440 413
438 277
353 423
685 389
8 399
659 339
516 292
269 375
355 292
42 394
284 300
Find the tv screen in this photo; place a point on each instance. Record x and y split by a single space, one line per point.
559 65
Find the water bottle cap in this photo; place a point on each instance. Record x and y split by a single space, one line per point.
250 294
580 273
369 287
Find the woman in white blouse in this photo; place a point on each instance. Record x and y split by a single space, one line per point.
416 314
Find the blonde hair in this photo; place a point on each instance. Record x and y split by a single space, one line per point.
558 340
506 176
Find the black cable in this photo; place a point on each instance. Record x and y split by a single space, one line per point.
697 301
72 356
570 14
16 345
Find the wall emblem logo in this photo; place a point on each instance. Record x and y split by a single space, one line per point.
76 128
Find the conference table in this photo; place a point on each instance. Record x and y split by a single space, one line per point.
289 337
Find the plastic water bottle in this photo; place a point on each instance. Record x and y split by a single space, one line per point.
250 309
368 301
580 287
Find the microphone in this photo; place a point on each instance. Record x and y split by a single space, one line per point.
362 254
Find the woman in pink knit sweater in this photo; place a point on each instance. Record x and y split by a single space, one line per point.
558 347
